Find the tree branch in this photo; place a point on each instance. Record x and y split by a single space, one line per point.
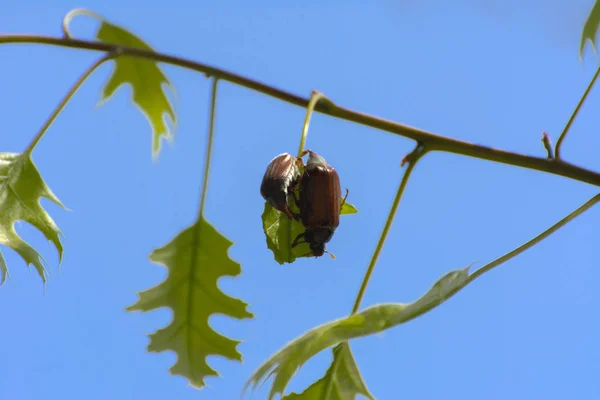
432 141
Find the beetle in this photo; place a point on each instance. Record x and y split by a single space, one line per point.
319 203
280 179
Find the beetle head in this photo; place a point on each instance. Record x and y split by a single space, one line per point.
317 249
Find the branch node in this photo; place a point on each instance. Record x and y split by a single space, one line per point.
414 155
548 145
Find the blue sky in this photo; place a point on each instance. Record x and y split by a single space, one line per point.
492 72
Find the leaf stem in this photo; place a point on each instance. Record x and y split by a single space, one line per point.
433 141
315 96
500 260
209 144
412 160
74 13
574 114
65 100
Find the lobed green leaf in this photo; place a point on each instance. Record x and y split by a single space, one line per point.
196 258
21 188
146 80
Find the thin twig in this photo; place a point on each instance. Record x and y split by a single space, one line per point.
65 100
412 160
572 118
434 142
500 260
209 144
315 97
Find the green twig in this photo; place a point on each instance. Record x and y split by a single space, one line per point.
412 160
587 205
315 97
65 100
431 140
572 118
208 155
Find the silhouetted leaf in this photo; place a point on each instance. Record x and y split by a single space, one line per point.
146 80
342 381
196 258
283 364
21 188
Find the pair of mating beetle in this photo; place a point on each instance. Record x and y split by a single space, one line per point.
320 196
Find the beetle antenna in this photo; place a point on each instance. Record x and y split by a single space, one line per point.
297 241
331 254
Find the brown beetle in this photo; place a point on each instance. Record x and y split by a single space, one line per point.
279 181
319 204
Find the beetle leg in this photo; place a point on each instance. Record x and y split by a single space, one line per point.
296 241
288 212
344 201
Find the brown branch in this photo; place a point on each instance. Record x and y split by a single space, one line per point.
432 141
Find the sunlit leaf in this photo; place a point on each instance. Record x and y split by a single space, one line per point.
348 208
590 29
196 258
21 188
342 381
283 364
280 232
147 81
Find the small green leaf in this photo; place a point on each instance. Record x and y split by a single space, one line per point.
348 208
146 80
196 258
342 381
283 364
590 29
280 232
21 188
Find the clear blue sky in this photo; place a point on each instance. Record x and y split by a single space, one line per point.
492 72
